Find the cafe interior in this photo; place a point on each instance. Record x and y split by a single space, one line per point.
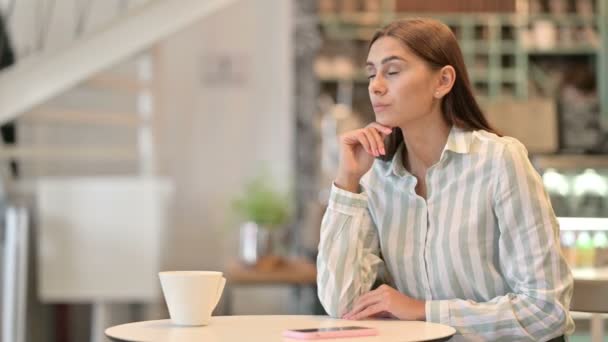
141 136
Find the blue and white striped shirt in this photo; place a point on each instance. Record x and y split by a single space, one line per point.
482 250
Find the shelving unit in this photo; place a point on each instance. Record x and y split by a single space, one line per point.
603 61
570 162
484 38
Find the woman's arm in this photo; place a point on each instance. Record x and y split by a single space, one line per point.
529 254
348 259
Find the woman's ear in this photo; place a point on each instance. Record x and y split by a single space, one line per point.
447 77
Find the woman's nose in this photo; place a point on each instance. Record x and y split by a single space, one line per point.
377 86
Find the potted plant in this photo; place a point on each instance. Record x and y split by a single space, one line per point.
264 212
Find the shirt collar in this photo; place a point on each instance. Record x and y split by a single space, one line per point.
459 141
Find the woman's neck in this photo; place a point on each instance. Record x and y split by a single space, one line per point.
424 140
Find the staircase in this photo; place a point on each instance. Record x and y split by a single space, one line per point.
101 126
46 87
86 109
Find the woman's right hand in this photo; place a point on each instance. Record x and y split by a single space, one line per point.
358 149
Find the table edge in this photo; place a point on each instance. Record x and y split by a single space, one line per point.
116 339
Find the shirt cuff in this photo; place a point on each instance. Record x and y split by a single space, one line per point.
345 200
438 311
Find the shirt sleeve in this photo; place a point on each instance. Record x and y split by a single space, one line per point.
540 282
349 251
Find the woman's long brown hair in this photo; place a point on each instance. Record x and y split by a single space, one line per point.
435 43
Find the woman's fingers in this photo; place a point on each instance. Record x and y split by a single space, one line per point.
363 302
355 138
364 141
369 311
372 141
365 297
384 129
378 139
371 138
379 132
362 306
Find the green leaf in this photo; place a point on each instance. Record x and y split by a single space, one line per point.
263 205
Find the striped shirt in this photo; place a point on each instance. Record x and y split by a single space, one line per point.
482 250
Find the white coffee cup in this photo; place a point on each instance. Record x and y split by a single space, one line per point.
191 296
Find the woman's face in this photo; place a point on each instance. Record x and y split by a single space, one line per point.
401 84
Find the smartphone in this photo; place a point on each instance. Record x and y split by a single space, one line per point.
332 332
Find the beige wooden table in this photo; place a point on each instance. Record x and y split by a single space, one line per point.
296 273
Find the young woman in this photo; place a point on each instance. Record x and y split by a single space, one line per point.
429 195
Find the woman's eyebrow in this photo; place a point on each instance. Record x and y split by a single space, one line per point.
386 60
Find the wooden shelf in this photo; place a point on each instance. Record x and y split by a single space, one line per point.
292 271
570 161
366 18
485 47
568 18
564 51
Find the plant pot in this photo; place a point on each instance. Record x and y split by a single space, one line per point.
255 243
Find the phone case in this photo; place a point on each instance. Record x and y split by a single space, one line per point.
317 335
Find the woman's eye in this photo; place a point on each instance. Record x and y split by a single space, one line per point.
370 77
393 72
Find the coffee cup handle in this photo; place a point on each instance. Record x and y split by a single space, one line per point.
220 289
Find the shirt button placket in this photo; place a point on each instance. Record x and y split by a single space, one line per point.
427 241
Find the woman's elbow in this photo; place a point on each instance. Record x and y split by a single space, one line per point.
556 322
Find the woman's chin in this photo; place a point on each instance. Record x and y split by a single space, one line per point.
385 120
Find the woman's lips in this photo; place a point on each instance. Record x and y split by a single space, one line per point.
380 107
